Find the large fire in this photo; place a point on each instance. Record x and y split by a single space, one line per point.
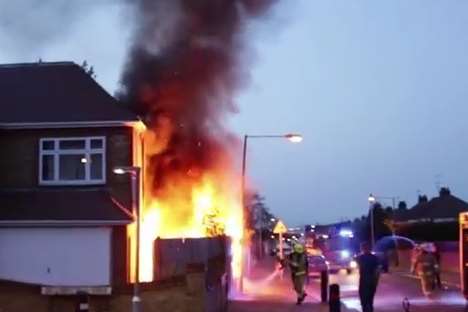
193 205
188 60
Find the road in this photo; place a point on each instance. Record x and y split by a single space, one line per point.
267 292
393 289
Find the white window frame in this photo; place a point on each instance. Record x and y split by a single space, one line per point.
87 151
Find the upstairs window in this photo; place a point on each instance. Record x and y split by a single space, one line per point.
72 161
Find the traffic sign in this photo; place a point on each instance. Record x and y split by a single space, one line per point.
280 228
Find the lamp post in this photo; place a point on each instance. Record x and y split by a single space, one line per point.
292 137
135 174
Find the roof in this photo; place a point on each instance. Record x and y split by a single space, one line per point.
61 206
58 92
445 207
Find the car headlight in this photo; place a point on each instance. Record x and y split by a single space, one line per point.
345 254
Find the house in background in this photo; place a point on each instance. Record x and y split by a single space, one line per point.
432 220
63 213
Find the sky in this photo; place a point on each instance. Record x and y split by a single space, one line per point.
377 89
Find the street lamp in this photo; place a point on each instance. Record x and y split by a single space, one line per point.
135 174
292 137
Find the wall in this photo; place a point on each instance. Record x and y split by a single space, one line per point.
19 160
172 256
186 257
173 297
195 287
56 256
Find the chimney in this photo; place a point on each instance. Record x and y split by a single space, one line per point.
422 199
444 191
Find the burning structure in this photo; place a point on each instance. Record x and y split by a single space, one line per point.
184 68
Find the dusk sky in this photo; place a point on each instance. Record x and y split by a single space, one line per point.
377 88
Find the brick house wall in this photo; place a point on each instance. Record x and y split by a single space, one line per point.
19 160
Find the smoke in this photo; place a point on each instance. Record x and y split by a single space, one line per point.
187 61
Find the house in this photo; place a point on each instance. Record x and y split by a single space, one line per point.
444 208
435 219
64 243
63 213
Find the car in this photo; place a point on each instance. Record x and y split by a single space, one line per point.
340 260
317 265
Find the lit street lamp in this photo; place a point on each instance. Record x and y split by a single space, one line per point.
292 137
135 174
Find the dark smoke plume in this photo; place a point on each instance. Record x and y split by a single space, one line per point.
186 64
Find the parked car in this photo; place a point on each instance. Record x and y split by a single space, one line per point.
317 265
340 260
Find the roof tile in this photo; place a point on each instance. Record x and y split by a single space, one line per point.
55 92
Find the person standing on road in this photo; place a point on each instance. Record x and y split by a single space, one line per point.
438 268
425 267
414 256
299 266
369 273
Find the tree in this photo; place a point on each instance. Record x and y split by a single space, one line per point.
402 205
260 214
380 215
389 211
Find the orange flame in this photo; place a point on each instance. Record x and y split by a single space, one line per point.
200 204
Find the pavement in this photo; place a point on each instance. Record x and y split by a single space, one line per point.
276 295
269 290
265 291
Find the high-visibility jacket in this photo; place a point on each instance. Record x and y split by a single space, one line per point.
298 263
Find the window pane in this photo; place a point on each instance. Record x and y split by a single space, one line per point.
47 167
96 166
72 144
96 143
72 167
48 145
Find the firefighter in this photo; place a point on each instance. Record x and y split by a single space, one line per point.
425 268
437 282
369 273
299 266
414 256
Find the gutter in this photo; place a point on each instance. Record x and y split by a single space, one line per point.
61 223
70 124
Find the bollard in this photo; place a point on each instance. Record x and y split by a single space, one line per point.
406 305
324 286
334 298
